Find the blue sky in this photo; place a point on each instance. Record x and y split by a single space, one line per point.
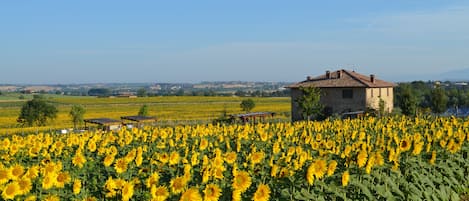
87 41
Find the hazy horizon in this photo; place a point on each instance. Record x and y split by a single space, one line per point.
56 42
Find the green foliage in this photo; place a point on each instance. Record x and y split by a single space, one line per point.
438 100
143 110
382 107
224 117
99 92
142 92
36 112
407 100
247 105
309 102
76 114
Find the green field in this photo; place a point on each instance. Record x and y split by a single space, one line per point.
169 110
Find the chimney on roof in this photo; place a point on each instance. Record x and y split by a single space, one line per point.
308 78
339 74
372 78
328 74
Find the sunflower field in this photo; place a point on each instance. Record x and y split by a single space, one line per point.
393 158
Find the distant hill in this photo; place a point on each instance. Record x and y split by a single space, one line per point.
455 75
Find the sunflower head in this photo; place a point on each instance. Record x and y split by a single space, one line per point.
262 193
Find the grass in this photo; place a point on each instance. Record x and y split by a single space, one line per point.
168 109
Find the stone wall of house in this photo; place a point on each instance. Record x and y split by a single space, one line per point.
332 97
373 95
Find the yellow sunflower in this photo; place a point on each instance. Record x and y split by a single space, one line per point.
319 168
191 194
139 159
16 171
274 170
153 179
4 176
163 158
241 181
76 186
362 158
25 185
33 172
120 166
108 160
178 185
433 158
257 157
111 187
203 144
159 193
262 193
345 178
127 191
31 198
48 181
79 159
404 145
62 179
10 191
92 146
52 198
331 168
418 147
195 159
310 174
212 192
236 195
230 157
174 158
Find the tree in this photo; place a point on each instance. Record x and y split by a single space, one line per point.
76 113
407 100
143 110
142 92
381 107
439 100
36 112
103 92
309 102
240 93
247 105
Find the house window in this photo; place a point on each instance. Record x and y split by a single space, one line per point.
347 93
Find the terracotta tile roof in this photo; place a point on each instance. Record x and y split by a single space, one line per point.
343 78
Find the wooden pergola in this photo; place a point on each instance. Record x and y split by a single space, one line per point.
139 120
252 117
105 123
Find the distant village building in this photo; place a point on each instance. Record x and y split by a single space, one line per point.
345 91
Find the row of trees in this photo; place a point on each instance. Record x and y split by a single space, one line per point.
426 97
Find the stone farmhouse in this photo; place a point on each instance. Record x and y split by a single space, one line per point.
345 91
